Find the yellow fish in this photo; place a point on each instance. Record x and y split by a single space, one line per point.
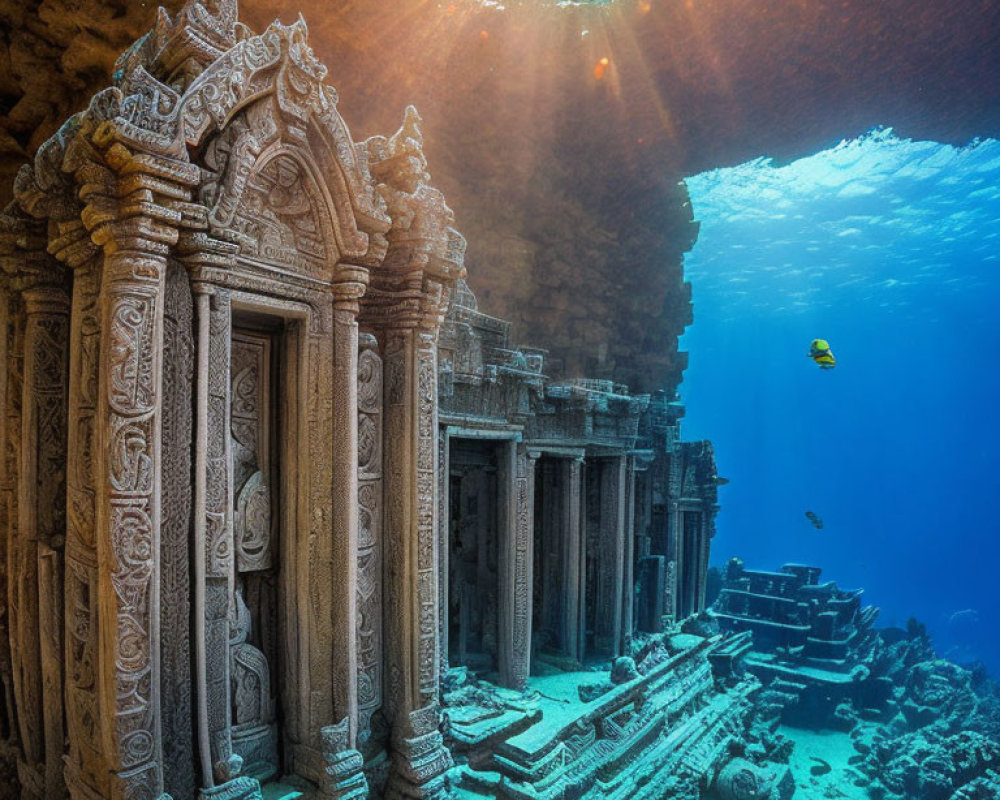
820 352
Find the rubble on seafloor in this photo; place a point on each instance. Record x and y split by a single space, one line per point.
919 727
712 710
673 720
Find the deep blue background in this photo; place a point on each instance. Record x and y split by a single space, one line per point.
889 249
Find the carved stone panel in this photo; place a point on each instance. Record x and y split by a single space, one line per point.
250 431
85 765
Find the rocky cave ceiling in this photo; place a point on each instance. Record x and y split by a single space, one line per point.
563 172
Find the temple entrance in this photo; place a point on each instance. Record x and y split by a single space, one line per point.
255 660
473 564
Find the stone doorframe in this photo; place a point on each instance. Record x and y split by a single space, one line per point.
318 541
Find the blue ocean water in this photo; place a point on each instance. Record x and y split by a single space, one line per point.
890 250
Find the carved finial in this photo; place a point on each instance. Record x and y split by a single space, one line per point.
408 140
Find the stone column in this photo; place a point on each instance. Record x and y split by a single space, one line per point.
11 345
704 543
343 454
419 758
213 529
574 629
515 564
675 533
128 514
443 544
41 531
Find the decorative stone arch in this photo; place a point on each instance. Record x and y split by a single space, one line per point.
310 275
280 65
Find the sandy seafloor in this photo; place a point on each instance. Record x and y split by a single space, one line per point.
834 747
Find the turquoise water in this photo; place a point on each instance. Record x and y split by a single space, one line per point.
890 250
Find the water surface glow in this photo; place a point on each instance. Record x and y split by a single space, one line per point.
889 249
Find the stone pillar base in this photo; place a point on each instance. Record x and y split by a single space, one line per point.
232 785
419 764
241 788
344 778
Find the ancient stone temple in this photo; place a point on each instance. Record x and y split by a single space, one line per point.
270 479
812 642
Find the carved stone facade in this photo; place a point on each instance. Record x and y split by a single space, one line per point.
202 517
267 472
568 508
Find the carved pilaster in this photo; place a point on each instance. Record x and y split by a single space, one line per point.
128 518
29 720
443 539
35 472
369 582
411 619
330 526
10 368
42 509
355 396
86 771
213 526
516 545
175 539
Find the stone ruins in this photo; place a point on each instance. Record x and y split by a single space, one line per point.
281 507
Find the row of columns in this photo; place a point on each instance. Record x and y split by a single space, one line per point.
672 544
606 539
82 428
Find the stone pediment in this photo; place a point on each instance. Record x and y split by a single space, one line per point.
212 133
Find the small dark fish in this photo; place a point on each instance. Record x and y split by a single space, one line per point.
817 523
821 767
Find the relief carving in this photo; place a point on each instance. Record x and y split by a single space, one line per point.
86 765
212 133
253 524
254 733
131 349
